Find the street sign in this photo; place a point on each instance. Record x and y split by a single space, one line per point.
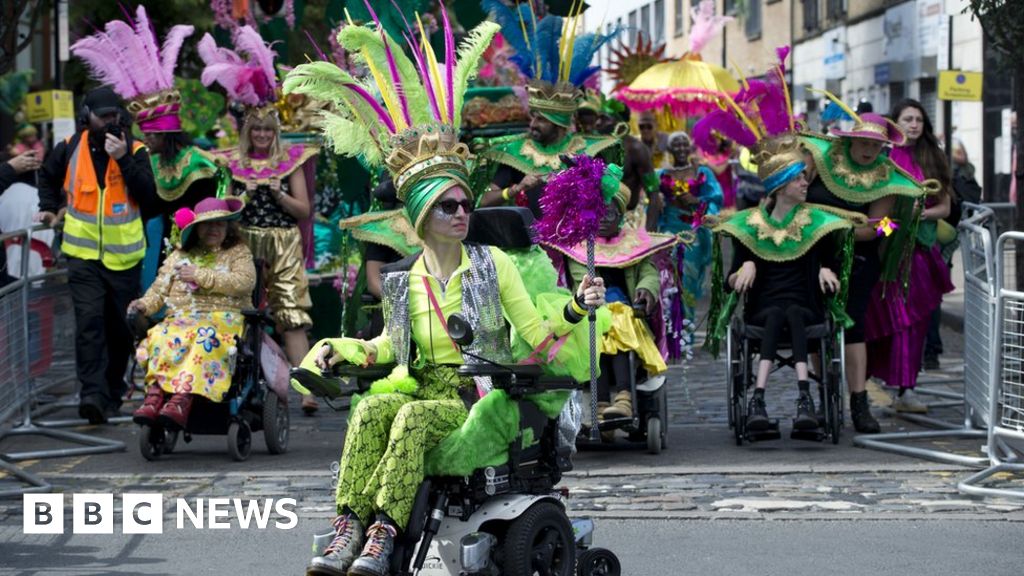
957 85
50 104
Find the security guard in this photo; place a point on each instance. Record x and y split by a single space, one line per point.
101 203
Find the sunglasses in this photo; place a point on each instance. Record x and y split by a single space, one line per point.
451 207
645 126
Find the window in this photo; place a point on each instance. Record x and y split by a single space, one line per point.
810 15
836 9
680 18
730 7
632 29
659 21
645 21
752 21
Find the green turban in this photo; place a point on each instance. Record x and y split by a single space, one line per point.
422 196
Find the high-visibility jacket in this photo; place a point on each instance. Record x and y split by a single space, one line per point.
102 222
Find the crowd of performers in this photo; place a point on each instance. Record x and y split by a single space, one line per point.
850 224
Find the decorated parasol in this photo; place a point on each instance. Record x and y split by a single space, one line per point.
687 86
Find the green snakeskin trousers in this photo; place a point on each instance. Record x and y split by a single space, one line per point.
382 462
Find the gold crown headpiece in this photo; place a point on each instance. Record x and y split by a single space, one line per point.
423 152
559 98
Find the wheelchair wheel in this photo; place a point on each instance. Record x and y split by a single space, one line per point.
598 562
654 443
152 442
540 542
171 440
239 440
275 423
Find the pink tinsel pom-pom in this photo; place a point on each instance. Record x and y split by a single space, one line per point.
572 204
183 217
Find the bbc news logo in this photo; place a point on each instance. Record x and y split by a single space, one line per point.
144 514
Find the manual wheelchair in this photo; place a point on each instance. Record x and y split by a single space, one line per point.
249 406
743 342
508 519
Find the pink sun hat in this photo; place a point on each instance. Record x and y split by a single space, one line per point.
207 210
876 127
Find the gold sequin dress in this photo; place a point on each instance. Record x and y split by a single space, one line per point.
189 351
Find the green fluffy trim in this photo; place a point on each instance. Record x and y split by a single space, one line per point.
491 427
399 381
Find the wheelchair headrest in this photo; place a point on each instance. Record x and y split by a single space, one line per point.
504 227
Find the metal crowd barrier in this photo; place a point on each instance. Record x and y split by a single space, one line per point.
1006 391
36 354
980 271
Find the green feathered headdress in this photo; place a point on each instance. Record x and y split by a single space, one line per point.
412 128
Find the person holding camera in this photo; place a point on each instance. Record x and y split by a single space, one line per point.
99 182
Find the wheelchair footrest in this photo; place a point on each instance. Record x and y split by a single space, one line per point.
816 435
770 433
322 386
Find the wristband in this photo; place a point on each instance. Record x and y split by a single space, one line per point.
577 307
504 194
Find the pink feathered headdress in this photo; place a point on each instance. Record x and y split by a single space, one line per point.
126 57
250 80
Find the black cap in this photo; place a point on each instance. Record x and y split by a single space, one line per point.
102 101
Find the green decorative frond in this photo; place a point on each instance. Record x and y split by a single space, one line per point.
366 44
318 80
348 138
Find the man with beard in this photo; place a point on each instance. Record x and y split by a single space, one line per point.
100 182
525 160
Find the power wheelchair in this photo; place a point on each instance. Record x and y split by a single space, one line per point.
500 520
249 406
743 342
648 426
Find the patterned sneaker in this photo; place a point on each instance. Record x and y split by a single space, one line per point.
339 554
376 557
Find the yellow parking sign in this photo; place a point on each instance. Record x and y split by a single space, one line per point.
957 85
49 104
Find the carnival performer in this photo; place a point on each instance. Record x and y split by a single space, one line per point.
896 326
854 175
784 251
184 174
623 259
690 193
204 284
522 162
415 134
270 176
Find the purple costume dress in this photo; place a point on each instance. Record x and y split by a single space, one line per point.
896 326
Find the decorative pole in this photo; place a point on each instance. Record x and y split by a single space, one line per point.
572 206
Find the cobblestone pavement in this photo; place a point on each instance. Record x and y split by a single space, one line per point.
702 474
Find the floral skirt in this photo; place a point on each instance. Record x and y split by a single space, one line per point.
190 353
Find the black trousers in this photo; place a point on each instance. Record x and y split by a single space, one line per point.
614 375
777 322
102 340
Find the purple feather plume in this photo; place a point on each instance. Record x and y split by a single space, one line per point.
421 65
392 66
372 102
126 56
724 123
172 47
449 62
572 204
